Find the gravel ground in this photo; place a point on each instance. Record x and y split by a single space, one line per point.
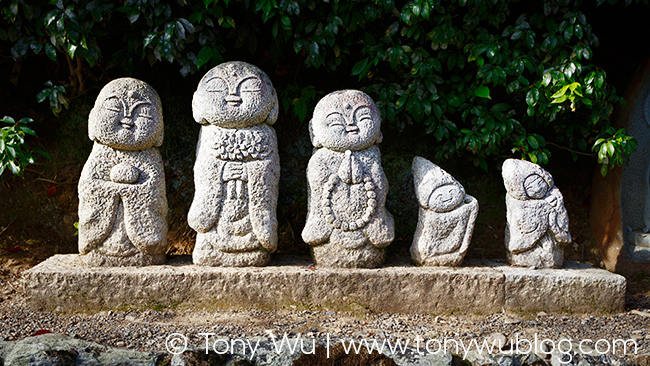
147 330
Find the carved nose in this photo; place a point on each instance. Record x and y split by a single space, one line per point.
351 128
127 123
233 99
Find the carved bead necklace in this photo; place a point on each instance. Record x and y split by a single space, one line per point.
326 203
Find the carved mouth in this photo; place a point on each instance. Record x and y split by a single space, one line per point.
352 129
127 125
233 100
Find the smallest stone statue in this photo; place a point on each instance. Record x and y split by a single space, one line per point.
122 201
537 221
446 219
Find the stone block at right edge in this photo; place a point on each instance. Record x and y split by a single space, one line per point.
576 288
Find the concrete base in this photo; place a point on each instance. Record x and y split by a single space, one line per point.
62 282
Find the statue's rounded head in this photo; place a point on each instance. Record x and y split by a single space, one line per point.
235 95
525 180
435 188
345 120
127 116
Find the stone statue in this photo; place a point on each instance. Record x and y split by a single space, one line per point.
446 219
347 222
537 222
122 201
237 167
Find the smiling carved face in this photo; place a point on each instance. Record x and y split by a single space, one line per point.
535 186
127 115
235 95
446 197
346 120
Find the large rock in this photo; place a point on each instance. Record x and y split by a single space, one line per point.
347 221
237 167
63 282
63 350
122 201
446 219
537 221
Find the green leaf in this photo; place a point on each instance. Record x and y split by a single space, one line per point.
28 130
560 99
482 92
603 170
530 111
600 80
532 141
204 56
561 92
11 151
359 66
42 153
314 50
568 32
15 169
532 97
437 110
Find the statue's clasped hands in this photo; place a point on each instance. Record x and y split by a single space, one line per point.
234 176
124 173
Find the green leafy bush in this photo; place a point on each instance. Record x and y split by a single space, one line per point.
483 78
14 152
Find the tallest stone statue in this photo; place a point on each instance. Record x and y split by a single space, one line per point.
237 167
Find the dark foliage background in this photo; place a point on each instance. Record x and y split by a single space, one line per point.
465 83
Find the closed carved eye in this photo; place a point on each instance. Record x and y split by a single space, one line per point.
216 84
335 119
144 112
363 114
114 104
250 84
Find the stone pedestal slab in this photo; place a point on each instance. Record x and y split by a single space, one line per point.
63 283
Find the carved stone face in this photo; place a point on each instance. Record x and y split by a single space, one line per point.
235 95
446 197
127 115
346 120
524 180
535 186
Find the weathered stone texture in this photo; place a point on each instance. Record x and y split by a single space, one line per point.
122 200
396 288
59 349
237 167
446 219
537 221
347 222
